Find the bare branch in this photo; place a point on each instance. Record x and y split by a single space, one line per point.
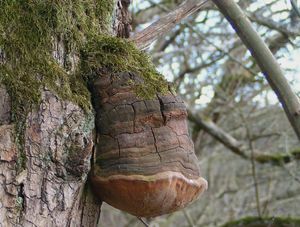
265 60
219 134
144 223
239 148
269 23
295 7
144 38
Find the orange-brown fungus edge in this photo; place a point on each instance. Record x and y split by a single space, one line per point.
148 196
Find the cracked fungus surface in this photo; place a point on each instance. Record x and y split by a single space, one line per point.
140 136
145 160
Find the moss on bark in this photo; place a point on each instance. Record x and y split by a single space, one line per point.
278 158
27 33
264 222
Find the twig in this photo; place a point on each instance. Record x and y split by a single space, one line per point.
253 167
269 23
202 36
188 218
295 7
145 223
293 175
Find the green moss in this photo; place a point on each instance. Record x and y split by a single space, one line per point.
27 32
278 158
265 221
120 55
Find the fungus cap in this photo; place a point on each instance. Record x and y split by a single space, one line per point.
145 162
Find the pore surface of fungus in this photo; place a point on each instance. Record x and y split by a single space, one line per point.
145 161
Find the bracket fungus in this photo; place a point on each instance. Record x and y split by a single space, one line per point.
145 162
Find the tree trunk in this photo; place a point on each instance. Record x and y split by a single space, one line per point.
43 178
50 188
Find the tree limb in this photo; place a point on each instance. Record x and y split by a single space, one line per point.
144 38
219 134
269 23
265 60
239 148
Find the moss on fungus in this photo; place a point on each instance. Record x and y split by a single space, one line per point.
119 55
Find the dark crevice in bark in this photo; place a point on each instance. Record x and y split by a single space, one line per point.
155 144
21 196
122 24
161 107
61 198
134 117
81 216
99 212
119 147
93 156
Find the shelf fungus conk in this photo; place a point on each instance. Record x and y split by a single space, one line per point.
145 162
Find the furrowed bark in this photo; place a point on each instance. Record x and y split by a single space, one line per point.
49 189
265 60
43 178
122 22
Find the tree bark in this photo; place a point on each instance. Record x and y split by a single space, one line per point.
49 190
43 179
